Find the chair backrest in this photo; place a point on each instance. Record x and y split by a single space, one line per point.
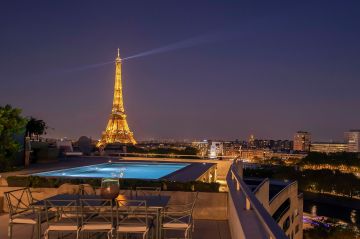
146 191
181 213
97 211
67 211
196 195
137 210
19 200
193 203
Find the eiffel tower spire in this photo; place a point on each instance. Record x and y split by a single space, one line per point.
117 129
118 103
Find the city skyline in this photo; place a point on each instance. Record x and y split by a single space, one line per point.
277 76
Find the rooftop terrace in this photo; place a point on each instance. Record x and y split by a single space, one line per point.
234 214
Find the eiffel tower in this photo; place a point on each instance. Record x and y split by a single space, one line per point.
117 129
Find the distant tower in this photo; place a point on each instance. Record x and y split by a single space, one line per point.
117 129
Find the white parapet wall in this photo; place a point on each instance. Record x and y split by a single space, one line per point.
248 218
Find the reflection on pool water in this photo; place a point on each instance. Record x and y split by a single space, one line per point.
118 170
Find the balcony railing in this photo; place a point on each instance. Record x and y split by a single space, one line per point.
239 192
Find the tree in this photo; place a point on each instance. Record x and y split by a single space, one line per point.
11 124
35 126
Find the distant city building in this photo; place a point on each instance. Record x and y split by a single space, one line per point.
253 154
282 145
162 144
209 148
232 148
261 154
252 141
216 149
326 147
202 147
302 140
274 145
352 138
256 149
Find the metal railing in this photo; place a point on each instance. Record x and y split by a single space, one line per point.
235 183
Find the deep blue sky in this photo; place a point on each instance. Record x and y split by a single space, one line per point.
293 65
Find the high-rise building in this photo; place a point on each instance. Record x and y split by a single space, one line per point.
251 141
302 140
117 129
352 138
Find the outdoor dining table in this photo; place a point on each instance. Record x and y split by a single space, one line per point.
154 203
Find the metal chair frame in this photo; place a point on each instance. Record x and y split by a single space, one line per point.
67 214
20 207
97 212
132 213
180 214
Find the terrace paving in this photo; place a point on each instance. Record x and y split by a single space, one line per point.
209 229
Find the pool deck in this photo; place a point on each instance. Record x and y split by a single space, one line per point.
191 172
209 229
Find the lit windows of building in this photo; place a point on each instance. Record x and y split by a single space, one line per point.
352 138
302 140
209 148
252 141
326 147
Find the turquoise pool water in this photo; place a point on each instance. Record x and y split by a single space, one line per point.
118 170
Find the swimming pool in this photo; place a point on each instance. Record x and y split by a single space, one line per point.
137 170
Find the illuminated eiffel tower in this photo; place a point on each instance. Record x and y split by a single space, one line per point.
117 129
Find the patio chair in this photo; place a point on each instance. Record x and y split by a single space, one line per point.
179 217
21 211
97 216
132 218
148 191
67 216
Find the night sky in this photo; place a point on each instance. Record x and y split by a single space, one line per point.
275 68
